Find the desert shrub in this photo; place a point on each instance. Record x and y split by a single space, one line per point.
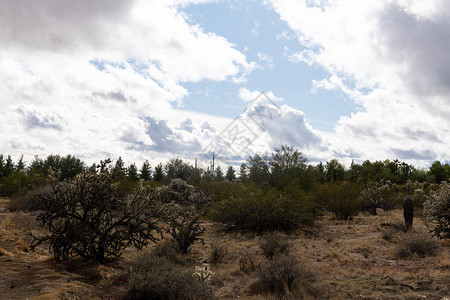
25 202
388 234
437 212
391 230
248 262
217 253
152 277
264 209
86 217
283 276
343 199
21 182
28 201
184 227
168 249
272 244
416 243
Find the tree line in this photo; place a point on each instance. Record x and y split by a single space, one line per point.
277 169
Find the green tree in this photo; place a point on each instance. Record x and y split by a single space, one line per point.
2 166
258 169
8 167
132 172
231 174
335 171
120 164
286 164
437 170
20 164
158 175
68 166
145 171
177 168
243 176
218 174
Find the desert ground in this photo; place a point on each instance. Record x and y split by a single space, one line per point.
347 259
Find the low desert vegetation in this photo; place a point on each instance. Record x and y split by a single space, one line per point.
278 229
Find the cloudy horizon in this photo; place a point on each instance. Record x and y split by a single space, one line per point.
154 80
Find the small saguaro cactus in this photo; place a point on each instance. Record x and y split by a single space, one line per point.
408 212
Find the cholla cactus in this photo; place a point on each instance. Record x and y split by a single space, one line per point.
203 274
375 196
437 211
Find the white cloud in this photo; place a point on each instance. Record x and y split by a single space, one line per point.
246 95
90 78
265 61
391 58
262 127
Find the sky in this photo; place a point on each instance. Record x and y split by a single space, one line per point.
154 80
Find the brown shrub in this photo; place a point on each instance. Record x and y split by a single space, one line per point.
217 254
152 277
272 244
416 243
283 277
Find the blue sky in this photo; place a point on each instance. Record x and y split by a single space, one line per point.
153 80
255 28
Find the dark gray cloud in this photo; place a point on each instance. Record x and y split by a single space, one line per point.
413 154
421 135
57 24
422 45
115 96
164 138
33 119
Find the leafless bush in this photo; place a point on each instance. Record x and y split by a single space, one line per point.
272 244
282 277
416 243
185 227
217 254
249 262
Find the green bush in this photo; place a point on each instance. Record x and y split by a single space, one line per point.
21 182
264 209
342 199
152 277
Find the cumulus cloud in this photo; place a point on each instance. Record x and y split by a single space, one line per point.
390 57
104 75
262 127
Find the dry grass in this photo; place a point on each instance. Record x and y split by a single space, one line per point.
350 259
